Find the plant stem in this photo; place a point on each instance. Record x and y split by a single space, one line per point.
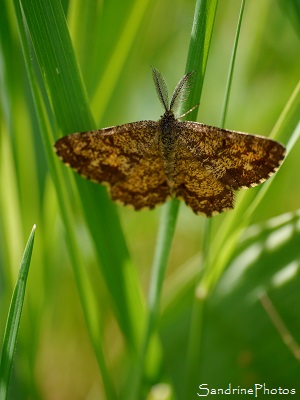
163 246
202 288
232 64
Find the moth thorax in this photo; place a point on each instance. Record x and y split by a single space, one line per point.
168 132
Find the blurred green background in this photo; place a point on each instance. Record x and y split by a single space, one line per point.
115 43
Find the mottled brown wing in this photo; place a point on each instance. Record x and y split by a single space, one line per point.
199 188
237 160
145 185
124 157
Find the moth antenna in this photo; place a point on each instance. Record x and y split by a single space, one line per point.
181 91
161 88
187 112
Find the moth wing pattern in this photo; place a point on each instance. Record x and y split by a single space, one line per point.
146 184
106 155
144 163
197 186
238 160
126 158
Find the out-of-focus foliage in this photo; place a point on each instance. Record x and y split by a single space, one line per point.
115 42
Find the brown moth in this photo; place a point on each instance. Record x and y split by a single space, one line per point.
145 163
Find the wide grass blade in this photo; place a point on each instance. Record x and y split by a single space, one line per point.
14 318
53 48
83 281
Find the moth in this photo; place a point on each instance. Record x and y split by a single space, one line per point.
145 163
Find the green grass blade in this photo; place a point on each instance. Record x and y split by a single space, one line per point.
83 310
204 17
51 40
289 115
163 246
50 36
226 239
120 51
197 58
14 318
194 345
86 294
232 64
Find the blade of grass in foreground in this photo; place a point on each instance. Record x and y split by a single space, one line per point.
86 294
197 58
13 320
53 48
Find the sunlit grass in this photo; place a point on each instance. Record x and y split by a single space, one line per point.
86 302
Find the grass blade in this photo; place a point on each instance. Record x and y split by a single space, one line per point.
232 63
14 318
194 347
120 51
203 23
232 227
67 95
197 58
86 294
